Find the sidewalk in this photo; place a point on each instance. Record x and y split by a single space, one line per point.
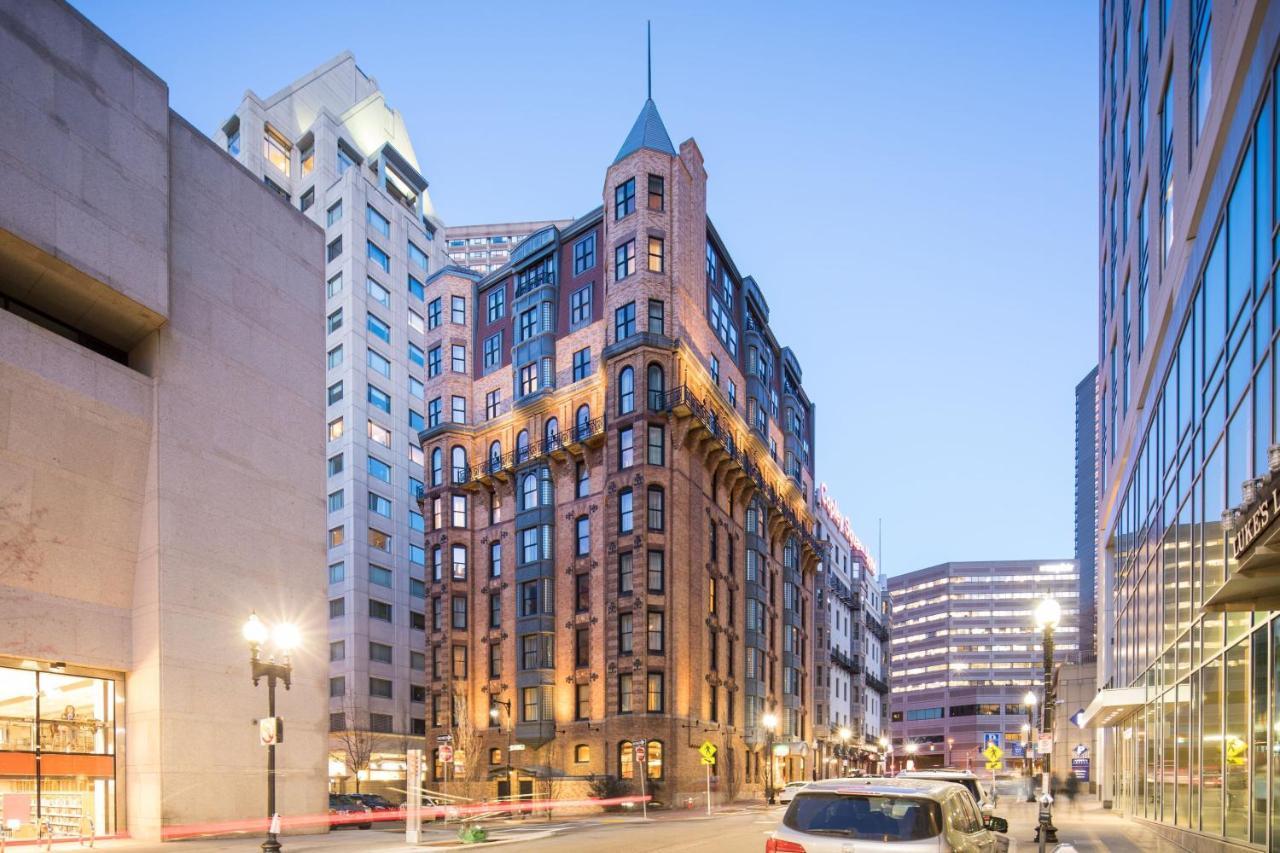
1087 827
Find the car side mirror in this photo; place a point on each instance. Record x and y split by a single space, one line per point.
995 824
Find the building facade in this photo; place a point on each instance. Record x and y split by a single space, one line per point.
485 248
851 631
1189 640
1086 525
331 146
619 464
965 651
160 454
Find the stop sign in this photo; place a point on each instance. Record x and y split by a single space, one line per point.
446 753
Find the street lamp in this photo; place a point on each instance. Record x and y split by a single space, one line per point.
911 748
884 756
285 638
770 723
1048 613
844 734
1028 757
493 715
950 743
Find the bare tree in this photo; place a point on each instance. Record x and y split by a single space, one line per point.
730 778
355 741
468 746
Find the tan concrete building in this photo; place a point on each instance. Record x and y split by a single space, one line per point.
485 248
161 450
619 470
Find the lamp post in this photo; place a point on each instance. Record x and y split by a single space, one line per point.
911 748
1028 757
770 723
884 756
845 733
950 743
493 715
1048 613
285 638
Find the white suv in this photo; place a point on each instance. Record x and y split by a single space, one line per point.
972 783
875 815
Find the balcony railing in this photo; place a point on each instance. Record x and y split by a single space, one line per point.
876 684
841 591
877 630
716 423
842 660
561 440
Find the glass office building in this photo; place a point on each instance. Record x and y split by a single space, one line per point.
1189 640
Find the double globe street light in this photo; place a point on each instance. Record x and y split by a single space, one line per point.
284 638
770 723
1047 615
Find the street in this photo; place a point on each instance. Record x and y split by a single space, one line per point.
740 829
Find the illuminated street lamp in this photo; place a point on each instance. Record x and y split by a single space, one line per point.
1047 615
493 715
770 723
884 756
911 748
950 743
285 638
844 734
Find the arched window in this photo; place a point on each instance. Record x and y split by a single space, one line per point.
458 462
653 758
626 391
551 433
529 492
495 456
582 421
437 467
657 387
522 445
626 760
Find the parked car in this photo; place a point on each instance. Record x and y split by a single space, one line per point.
375 802
788 791
345 811
975 786
886 816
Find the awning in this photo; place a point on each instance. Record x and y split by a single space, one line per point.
1112 705
1255 584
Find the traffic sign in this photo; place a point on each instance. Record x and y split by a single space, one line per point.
446 753
1044 745
638 747
1081 750
708 752
994 765
993 754
270 731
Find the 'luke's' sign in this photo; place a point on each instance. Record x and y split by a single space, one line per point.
1260 518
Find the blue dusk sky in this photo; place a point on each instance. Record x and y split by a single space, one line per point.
913 184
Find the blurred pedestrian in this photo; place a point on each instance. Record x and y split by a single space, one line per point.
1071 788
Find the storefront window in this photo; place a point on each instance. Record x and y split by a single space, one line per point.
1235 740
1211 808
67 787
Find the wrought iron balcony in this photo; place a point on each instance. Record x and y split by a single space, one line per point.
716 423
842 591
565 439
877 630
876 684
842 660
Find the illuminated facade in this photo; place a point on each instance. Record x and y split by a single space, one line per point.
965 651
485 248
331 146
1188 637
619 464
851 632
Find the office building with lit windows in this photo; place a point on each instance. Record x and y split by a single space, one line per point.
619 461
851 632
964 652
331 146
1189 640
485 248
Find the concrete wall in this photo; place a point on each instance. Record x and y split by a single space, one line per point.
149 507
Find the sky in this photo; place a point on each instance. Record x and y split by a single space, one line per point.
913 185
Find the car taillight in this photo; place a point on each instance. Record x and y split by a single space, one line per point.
777 845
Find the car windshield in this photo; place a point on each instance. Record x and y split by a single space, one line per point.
866 816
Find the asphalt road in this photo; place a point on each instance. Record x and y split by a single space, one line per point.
744 832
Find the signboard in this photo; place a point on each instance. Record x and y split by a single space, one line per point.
446 753
1247 532
843 526
1017 749
270 731
1080 769
638 748
708 752
1077 719
1044 746
990 738
1081 750
993 754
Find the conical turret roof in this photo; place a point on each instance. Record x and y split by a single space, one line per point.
648 132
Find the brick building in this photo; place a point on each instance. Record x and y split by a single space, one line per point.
619 468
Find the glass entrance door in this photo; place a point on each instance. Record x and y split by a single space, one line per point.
57 755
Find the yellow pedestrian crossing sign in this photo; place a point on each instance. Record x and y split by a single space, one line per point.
708 752
993 755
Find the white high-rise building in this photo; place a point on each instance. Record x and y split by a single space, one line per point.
330 145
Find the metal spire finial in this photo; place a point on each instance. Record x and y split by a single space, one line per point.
648 32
